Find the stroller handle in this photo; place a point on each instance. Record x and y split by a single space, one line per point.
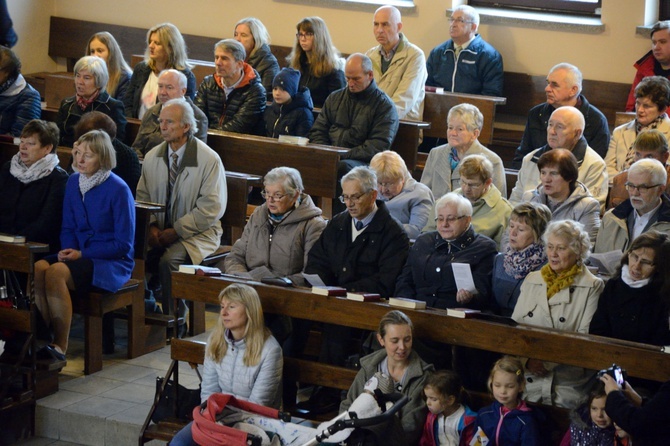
399 401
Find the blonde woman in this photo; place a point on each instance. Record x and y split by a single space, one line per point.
104 46
242 357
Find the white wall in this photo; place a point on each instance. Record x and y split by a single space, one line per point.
608 56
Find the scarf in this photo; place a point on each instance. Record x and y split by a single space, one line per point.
84 103
628 280
8 83
556 282
453 159
630 155
37 171
88 183
518 264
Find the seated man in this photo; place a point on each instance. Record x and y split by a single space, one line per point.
465 63
648 144
656 62
188 177
233 98
171 85
399 66
647 208
19 101
564 87
565 131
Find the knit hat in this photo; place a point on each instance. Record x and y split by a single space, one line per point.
288 79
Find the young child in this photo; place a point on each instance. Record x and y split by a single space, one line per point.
590 425
508 421
291 109
449 420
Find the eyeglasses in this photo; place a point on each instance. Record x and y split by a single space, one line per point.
303 35
632 257
471 185
388 185
459 20
640 188
353 198
450 220
275 197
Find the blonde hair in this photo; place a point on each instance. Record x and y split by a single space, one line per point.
116 65
389 165
173 42
255 332
509 364
324 57
101 144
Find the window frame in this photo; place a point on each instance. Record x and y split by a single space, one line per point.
549 6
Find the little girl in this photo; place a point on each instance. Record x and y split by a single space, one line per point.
590 425
449 421
508 421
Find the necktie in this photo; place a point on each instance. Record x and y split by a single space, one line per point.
359 225
174 166
457 51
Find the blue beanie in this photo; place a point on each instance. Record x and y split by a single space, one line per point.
288 79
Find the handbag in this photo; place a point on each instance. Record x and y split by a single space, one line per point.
175 402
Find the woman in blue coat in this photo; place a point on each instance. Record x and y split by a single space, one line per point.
97 238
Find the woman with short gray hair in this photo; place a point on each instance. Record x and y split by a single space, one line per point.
253 35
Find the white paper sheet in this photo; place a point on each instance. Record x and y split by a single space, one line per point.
463 276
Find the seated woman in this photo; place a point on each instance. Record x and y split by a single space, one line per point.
33 186
241 358
90 82
428 273
404 366
165 49
253 35
408 201
523 254
490 210
563 295
97 238
652 97
314 55
634 303
442 172
104 46
559 190
19 101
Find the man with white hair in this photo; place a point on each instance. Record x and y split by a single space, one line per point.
564 87
565 130
646 208
465 63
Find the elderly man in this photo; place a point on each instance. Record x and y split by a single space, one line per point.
171 85
656 62
233 98
465 63
188 177
564 87
647 208
565 130
399 66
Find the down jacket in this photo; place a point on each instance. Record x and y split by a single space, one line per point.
647 65
284 251
241 112
295 118
70 113
364 122
18 105
265 63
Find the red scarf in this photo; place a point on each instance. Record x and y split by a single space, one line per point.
84 103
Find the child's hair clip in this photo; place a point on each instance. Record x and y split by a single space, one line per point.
518 372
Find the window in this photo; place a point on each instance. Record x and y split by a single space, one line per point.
580 7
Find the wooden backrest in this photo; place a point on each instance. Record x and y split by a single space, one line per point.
310 372
623 118
58 86
192 352
16 320
19 256
511 176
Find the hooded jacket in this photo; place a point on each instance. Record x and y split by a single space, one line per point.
295 118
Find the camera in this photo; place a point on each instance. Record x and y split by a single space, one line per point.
616 372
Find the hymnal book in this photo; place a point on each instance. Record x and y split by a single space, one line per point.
329 290
9 238
200 270
404 302
463 313
364 297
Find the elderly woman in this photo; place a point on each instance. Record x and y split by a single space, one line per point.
652 97
442 172
317 59
253 35
19 101
634 303
563 295
407 370
408 201
523 254
428 274
104 45
559 190
33 186
241 358
97 238
165 49
90 81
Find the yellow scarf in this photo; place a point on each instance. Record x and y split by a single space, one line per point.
556 282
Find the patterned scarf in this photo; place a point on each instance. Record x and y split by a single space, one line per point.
83 103
88 183
454 159
630 156
40 169
518 264
556 282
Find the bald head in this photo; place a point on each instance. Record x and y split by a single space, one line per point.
358 72
565 128
387 26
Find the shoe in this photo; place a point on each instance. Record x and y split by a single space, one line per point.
323 400
50 352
